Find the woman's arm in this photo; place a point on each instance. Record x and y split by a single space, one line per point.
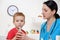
27 38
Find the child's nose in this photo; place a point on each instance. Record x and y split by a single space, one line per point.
19 22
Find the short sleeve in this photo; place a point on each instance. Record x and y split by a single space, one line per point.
11 33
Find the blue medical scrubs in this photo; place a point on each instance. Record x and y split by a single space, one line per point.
54 30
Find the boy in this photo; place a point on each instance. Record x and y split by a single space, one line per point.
18 21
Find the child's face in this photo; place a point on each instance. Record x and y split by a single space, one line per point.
19 21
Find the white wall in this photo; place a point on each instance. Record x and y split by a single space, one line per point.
58 3
31 8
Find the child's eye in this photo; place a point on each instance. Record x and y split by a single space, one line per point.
17 20
21 20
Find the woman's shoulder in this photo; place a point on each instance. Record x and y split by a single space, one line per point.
58 21
58 24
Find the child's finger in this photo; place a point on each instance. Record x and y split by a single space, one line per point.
19 37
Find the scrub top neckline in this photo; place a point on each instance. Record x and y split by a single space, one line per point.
51 28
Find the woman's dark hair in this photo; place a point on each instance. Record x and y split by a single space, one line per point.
53 6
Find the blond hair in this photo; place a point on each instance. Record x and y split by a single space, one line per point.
18 14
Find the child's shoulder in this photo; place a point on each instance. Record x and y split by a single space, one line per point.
11 33
13 30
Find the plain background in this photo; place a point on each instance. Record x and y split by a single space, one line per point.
31 9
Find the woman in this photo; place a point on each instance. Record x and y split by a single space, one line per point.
51 28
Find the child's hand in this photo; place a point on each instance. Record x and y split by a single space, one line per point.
20 35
